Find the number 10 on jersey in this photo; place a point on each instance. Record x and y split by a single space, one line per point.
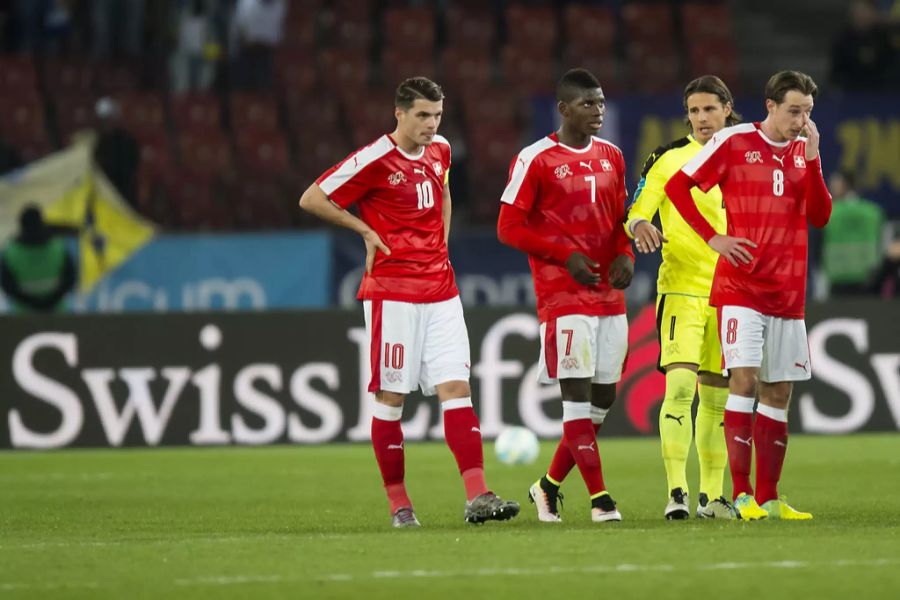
426 194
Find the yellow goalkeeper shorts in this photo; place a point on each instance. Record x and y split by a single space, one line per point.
688 332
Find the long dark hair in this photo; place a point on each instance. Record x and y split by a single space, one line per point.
710 84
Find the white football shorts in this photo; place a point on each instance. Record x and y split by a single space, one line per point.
777 346
581 346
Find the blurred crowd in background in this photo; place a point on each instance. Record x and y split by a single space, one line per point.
214 115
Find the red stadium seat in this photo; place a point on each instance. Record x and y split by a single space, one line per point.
196 111
196 205
529 70
399 64
264 152
648 21
605 67
315 158
261 203
22 116
295 73
353 32
17 74
300 28
533 27
205 152
156 154
67 76
492 149
308 114
470 28
706 21
411 29
113 78
253 111
654 68
464 68
590 28
715 57
74 113
142 113
499 106
345 70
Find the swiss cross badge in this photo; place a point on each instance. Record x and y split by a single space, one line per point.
605 165
799 162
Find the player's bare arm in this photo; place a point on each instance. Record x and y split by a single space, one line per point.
316 202
621 270
647 238
583 269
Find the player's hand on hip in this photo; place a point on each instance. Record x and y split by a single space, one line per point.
647 238
373 245
812 140
582 269
621 271
732 248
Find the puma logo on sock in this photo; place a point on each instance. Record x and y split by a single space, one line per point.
674 418
588 447
395 446
743 441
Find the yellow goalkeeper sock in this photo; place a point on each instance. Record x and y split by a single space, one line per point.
675 426
711 439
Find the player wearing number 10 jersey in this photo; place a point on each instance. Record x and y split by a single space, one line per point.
414 318
564 206
772 186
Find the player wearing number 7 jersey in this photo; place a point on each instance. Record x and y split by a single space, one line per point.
564 206
772 186
414 318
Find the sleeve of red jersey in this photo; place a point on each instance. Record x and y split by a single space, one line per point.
623 242
349 180
705 170
818 199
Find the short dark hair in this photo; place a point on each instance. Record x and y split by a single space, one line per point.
710 84
574 83
416 88
783 82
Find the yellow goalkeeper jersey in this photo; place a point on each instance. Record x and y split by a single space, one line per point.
688 262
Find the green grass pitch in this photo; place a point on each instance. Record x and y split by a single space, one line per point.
312 522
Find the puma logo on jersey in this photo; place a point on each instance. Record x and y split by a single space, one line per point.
419 171
674 418
753 156
780 160
743 441
586 165
589 447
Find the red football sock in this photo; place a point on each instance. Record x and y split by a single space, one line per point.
581 439
387 440
563 461
739 441
771 437
463 435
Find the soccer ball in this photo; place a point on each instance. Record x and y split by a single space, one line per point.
516 446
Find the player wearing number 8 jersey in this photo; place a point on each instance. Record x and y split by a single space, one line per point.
772 186
414 319
563 205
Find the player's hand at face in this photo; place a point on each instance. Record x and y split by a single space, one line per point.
812 140
647 237
373 245
621 271
734 249
582 269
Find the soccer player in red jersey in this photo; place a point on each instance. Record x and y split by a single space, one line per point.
563 206
772 187
413 314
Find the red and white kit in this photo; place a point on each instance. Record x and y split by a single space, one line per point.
413 314
572 199
770 192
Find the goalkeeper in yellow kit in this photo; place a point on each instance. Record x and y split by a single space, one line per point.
687 325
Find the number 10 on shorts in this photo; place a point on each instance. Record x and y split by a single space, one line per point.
393 356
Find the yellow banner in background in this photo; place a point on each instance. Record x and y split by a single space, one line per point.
73 192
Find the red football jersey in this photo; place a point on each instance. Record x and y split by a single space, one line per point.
401 197
574 198
764 188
